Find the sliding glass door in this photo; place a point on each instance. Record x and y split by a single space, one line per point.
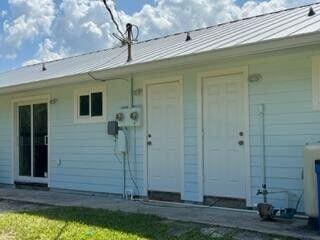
25 141
33 141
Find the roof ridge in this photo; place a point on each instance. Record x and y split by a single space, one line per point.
68 57
166 36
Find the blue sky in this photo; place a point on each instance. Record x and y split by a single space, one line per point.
40 30
132 6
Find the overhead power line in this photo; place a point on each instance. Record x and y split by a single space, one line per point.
112 18
126 38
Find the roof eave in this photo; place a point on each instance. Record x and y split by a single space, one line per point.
180 61
217 54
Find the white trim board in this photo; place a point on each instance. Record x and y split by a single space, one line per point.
88 90
215 73
174 78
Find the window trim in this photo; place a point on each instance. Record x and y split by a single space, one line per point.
88 91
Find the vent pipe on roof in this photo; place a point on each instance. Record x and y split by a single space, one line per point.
188 38
311 12
129 41
44 67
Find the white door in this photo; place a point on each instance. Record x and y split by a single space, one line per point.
163 136
223 136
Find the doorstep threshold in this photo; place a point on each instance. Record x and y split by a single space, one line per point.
31 185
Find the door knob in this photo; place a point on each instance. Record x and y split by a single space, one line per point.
241 143
149 143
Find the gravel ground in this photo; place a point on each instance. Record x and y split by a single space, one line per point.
14 206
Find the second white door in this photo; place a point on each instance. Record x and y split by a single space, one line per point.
163 137
223 136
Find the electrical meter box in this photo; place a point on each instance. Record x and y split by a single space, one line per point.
113 128
130 117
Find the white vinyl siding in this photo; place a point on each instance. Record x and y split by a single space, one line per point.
316 82
81 155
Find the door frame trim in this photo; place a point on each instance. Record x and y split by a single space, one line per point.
168 79
215 73
14 103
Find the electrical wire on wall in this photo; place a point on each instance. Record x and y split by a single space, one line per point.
127 37
135 151
115 150
127 134
128 156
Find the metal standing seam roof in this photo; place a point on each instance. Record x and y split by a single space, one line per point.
271 26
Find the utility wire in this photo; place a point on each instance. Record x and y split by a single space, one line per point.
112 18
119 18
106 62
126 133
126 38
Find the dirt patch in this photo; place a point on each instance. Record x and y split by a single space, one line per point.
16 206
7 236
228 233
177 229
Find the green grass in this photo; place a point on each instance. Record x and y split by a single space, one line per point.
82 223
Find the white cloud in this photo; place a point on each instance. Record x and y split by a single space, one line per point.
46 53
251 8
29 20
169 16
3 13
78 26
83 25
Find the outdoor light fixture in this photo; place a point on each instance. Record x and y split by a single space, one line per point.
257 77
53 101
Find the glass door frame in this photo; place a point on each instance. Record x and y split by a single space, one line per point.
15 105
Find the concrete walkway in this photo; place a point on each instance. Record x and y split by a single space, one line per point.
246 220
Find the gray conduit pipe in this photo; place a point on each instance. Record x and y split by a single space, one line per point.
126 155
124 176
263 151
131 103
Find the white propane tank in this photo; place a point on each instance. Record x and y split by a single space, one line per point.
311 153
